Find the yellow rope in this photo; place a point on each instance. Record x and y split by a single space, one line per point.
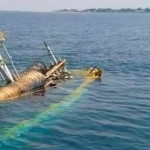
49 112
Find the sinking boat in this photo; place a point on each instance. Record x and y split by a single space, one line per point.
36 77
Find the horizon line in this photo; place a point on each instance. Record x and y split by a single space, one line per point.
53 10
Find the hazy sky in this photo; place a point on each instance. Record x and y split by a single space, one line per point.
48 5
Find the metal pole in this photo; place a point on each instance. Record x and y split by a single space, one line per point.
51 53
59 58
2 76
52 63
10 58
5 71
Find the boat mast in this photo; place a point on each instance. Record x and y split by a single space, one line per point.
4 71
53 56
50 52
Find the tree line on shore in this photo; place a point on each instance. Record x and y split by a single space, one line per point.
123 10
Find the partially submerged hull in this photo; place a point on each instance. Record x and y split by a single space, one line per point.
32 79
37 76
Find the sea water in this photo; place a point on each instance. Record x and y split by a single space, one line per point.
109 114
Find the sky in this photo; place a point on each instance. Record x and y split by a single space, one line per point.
49 5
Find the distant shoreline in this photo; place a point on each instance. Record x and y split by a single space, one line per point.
90 10
108 10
